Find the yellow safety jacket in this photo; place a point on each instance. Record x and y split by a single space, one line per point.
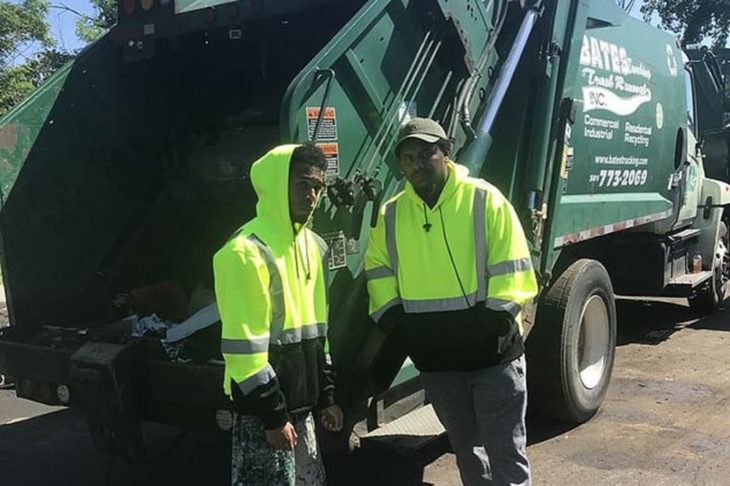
271 294
453 278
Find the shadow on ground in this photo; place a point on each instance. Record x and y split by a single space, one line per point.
56 449
652 321
646 322
371 466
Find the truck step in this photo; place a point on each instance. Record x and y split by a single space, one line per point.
407 434
683 285
685 234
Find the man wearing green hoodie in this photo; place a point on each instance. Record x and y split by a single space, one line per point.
449 271
271 293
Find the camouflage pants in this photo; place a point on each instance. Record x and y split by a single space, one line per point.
255 463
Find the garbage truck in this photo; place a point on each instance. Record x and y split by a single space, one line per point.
129 168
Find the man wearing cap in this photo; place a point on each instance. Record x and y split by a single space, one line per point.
449 271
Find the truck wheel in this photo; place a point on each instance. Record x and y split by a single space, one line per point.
571 348
708 299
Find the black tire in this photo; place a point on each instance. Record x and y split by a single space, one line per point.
707 300
575 330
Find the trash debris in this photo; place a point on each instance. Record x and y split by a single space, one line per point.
170 333
205 317
200 297
166 299
148 324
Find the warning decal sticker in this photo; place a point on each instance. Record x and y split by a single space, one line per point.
327 127
332 152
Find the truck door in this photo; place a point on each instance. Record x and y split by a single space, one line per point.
687 161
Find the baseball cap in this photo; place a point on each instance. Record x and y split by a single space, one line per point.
423 129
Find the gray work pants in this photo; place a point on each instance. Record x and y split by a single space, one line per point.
484 414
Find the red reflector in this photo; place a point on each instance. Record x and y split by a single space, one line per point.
128 6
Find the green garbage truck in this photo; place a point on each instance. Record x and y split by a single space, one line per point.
126 170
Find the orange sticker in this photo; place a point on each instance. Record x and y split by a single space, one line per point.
332 152
327 126
329 112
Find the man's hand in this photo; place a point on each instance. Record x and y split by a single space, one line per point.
284 438
332 418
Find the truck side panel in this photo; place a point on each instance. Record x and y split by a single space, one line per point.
618 156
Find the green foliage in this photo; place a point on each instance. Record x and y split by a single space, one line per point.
21 26
16 82
694 20
91 28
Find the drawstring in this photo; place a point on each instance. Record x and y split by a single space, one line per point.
306 254
296 256
426 225
451 256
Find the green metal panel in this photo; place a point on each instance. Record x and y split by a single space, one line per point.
81 169
618 157
133 173
396 58
20 127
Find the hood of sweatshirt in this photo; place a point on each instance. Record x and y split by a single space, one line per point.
270 179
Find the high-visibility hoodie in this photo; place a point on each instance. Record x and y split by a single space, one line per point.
271 294
449 282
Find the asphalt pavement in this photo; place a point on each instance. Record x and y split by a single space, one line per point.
666 420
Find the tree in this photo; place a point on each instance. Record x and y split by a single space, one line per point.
22 27
694 20
91 28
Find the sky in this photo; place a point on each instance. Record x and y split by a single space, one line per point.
63 22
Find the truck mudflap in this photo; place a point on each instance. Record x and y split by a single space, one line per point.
118 386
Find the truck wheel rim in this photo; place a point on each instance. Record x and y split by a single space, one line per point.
722 266
593 342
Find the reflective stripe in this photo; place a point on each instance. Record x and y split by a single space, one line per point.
260 378
276 290
510 266
390 236
245 346
480 241
378 272
440 305
379 313
504 305
299 334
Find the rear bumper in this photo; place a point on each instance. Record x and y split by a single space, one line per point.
182 394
